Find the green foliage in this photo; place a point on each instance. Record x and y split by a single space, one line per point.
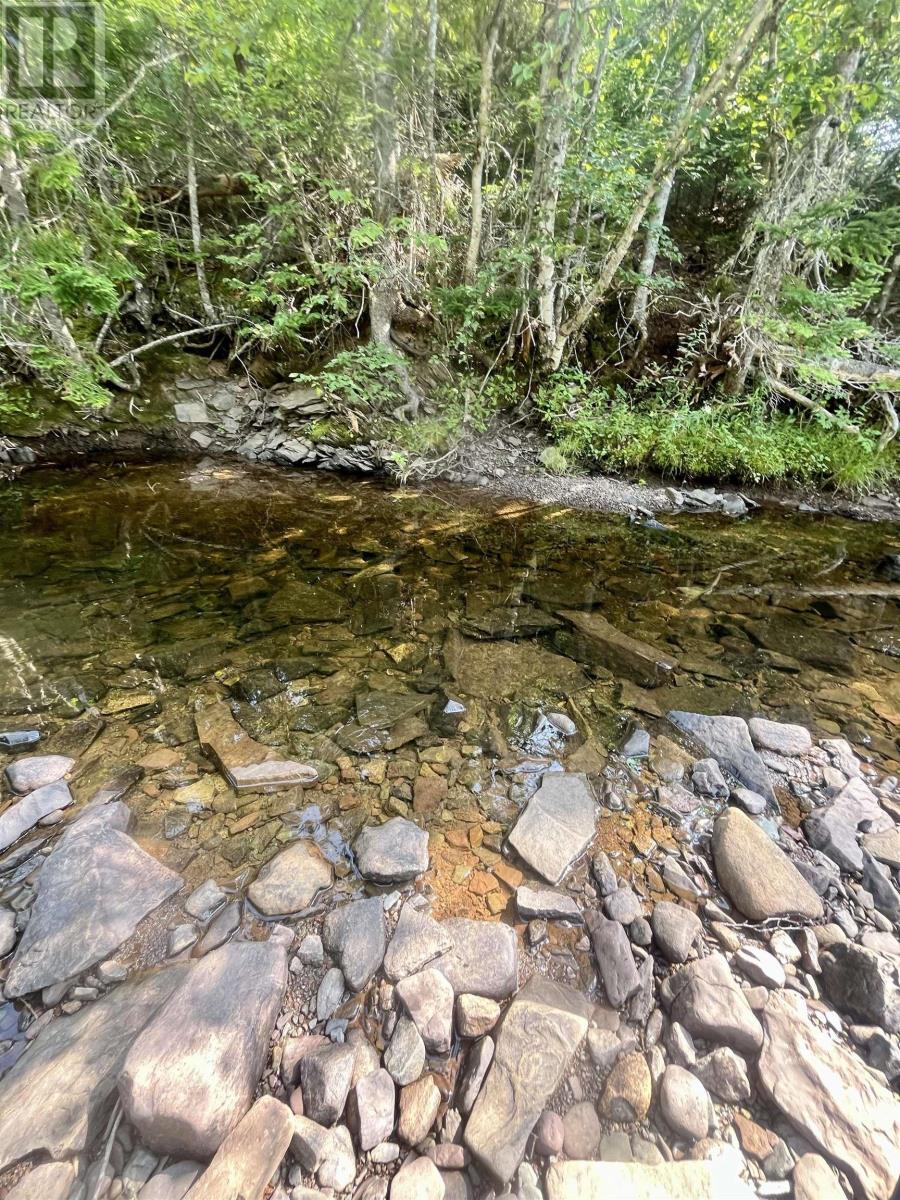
362 379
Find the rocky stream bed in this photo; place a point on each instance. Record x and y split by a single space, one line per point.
382 843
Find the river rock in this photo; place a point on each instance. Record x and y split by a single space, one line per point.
509 670
418 1180
428 998
830 1097
473 1074
581 1131
394 852
248 766
676 930
92 892
716 1180
34 771
709 1004
205 900
58 1096
330 994
546 904
614 959
876 879
405 1055
354 935
191 1075
728 741
684 1103
476 1016
484 960
557 826
789 740
724 1073
542 1029
756 875
300 603
885 846
708 780
290 881
417 941
813 1179
623 906
862 984
326 1074
172 1183
249 1155
51 1181
25 814
419 1104
371 1109
594 640
833 829
759 966
7 931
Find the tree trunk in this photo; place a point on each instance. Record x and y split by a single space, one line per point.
196 235
384 292
430 77
710 97
488 54
641 301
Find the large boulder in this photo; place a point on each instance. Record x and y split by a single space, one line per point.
541 1032
830 1097
756 874
484 960
191 1075
355 937
92 892
249 1156
58 1096
727 739
394 852
557 826
290 881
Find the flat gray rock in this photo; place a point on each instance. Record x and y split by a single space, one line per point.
417 941
546 904
675 929
354 935
25 813
249 1156
92 892
599 642
326 1074
557 826
290 881
57 1097
728 741
394 852
172 1183
710 1005
717 1180
33 771
614 959
248 765
405 1054
191 1075
790 740
540 1033
756 874
478 1060
428 998
51 1181
373 1104
484 960
833 829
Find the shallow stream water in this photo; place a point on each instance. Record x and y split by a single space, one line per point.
409 644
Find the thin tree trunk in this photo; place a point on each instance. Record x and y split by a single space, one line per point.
385 288
12 188
488 54
641 302
430 78
717 89
887 290
196 234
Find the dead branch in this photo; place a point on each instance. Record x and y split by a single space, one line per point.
791 393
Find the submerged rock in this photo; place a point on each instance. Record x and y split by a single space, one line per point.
728 741
541 1031
249 1156
557 826
57 1097
247 765
34 771
509 670
191 1075
298 603
290 881
92 892
394 852
756 875
599 642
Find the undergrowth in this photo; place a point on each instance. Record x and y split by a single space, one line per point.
667 429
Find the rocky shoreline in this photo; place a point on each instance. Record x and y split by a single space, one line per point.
711 1009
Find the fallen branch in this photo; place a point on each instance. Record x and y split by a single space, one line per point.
130 355
790 393
892 422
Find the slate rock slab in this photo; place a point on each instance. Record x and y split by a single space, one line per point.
542 1029
290 881
509 670
862 984
614 959
50 1181
191 1075
709 1004
790 740
546 904
249 1156
417 941
830 1097
675 929
484 960
394 852
298 603
57 1097
25 813
92 892
557 826
428 998
833 829
326 1074
716 1180
597 641
33 771
756 874
354 935
248 765
727 739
